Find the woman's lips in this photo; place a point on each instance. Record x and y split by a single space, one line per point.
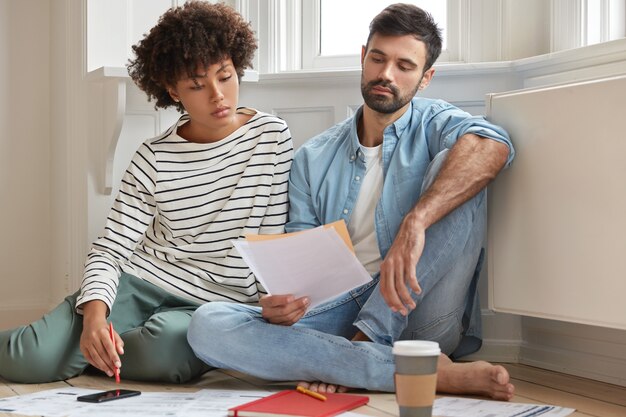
221 112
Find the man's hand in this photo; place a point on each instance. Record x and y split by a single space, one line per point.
397 272
95 340
470 165
283 309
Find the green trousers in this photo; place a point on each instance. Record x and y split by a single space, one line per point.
152 323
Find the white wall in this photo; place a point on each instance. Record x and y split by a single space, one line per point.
24 159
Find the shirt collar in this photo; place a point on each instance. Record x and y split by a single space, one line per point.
399 126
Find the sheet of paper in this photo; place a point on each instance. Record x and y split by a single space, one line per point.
215 403
315 263
63 403
50 403
465 407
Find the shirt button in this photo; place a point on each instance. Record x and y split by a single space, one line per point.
345 211
357 178
352 158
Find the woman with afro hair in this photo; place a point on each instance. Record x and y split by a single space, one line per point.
219 173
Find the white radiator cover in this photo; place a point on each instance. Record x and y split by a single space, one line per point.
557 216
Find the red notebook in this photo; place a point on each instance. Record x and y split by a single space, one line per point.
294 403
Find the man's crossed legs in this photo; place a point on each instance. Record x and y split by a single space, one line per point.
320 346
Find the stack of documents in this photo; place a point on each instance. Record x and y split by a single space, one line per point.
62 403
316 263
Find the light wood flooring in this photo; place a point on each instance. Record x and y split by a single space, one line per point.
533 385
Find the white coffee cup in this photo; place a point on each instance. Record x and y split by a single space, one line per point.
416 376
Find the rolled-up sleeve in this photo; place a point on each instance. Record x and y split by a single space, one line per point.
446 124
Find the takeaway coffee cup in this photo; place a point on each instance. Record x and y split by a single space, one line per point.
416 376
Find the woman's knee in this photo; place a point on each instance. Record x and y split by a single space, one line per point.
25 358
158 351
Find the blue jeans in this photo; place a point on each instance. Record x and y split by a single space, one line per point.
318 347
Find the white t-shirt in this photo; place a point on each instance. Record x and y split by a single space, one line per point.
361 225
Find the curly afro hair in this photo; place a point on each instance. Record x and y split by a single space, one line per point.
197 33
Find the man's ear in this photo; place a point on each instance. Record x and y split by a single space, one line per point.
362 55
426 78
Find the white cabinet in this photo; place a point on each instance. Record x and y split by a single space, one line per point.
557 216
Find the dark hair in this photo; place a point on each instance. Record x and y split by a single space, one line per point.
197 33
406 19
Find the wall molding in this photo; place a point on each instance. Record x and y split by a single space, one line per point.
497 350
578 349
592 365
113 111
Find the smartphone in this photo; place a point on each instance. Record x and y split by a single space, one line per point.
114 394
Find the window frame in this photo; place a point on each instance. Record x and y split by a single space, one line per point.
288 30
612 21
311 39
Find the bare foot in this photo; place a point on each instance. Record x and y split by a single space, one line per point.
322 387
480 377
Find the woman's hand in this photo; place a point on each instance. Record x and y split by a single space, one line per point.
95 340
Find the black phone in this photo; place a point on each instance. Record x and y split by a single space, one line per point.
114 394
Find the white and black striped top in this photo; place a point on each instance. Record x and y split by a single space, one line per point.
181 204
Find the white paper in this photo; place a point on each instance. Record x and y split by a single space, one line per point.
315 263
50 403
465 407
63 403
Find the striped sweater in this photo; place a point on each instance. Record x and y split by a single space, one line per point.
180 205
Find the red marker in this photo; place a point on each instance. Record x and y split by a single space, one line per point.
117 370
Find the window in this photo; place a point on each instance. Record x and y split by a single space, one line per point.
602 20
336 40
334 31
327 35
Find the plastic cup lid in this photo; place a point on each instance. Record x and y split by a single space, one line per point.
416 348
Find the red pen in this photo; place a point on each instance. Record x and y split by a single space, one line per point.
117 370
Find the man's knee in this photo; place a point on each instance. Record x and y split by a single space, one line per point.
209 324
216 329
446 330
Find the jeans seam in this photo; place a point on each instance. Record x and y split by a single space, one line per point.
438 320
373 354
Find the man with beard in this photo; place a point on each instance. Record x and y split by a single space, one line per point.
408 176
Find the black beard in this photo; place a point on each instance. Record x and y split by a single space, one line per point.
382 104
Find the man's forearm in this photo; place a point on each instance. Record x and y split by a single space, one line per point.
473 162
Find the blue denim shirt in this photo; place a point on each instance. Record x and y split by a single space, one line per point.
326 174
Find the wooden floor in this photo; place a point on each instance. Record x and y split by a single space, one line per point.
533 385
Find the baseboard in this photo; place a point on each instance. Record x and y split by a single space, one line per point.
504 351
592 365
